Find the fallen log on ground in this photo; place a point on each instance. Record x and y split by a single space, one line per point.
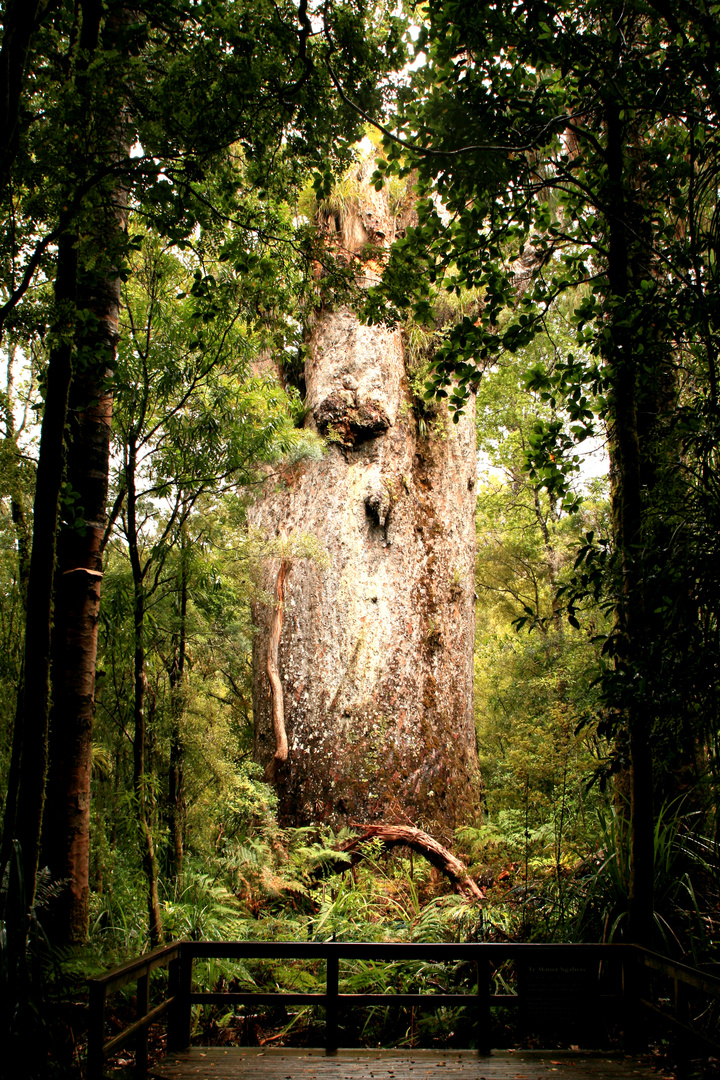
419 841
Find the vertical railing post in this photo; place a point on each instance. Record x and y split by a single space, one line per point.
634 1034
681 1011
681 1001
174 1021
331 1002
141 1011
482 967
96 1031
180 984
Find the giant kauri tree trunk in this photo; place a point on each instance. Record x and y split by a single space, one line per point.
365 664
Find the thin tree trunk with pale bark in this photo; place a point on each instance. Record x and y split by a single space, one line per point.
145 836
176 794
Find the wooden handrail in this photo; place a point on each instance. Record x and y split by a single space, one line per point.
392 950
179 957
139 971
699 980
143 965
682 978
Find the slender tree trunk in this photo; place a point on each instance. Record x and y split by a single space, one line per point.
13 478
33 715
13 785
627 509
22 537
550 558
22 534
20 22
176 794
276 687
66 833
31 728
147 845
176 800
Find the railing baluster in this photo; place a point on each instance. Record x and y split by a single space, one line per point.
96 1031
143 1004
173 1017
180 1024
137 971
634 979
331 1003
483 1005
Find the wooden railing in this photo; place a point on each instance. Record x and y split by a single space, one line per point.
138 971
686 1000
550 979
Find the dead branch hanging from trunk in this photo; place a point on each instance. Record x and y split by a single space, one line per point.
278 705
419 841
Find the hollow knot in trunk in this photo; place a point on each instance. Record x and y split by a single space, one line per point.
350 423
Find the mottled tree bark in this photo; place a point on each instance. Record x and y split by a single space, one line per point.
66 828
376 652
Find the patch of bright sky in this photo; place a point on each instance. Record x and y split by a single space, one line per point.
593 455
21 389
594 463
419 58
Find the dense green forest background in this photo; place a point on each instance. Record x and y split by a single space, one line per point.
161 173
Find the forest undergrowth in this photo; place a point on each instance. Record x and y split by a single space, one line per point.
273 884
551 854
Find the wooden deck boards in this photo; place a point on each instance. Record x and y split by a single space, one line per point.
208 1063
